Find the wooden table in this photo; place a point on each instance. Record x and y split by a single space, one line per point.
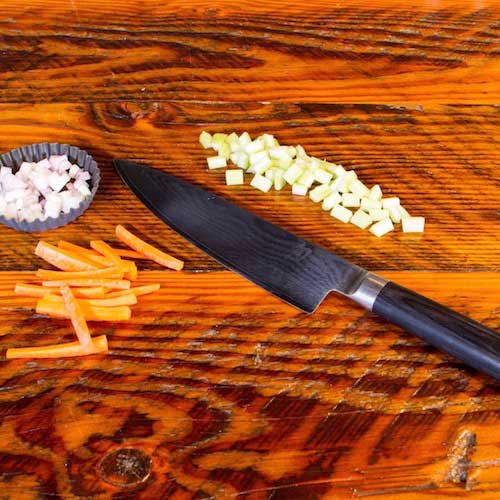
216 389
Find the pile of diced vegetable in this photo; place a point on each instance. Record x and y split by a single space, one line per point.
42 190
338 190
90 284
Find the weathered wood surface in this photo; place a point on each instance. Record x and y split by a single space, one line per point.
226 390
441 160
379 51
215 389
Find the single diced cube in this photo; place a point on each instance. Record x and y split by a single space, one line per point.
299 189
382 227
331 200
234 177
341 213
390 202
413 224
216 162
261 183
350 200
361 219
378 213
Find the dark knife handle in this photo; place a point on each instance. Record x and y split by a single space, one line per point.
457 335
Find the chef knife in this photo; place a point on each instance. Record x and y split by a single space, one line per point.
300 272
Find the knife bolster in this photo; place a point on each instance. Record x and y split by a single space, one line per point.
367 291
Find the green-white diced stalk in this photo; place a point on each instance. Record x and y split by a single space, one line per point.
257 157
341 213
260 182
361 219
205 140
279 181
350 200
284 162
245 139
339 171
216 162
382 227
234 177
292 151
269 140
262 165
225 151
234 142
313 163
270 173
306 179
278 152
255 146
395 214
300 152
293 173
319 193
331 200
390 202
375 193
378 213
240 159
299 189
218 141
322 176
358 188
404 212
413 224
368 204
343 183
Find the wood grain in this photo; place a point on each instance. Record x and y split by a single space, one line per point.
382 51
443 161
248 396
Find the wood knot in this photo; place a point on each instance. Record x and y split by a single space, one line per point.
459 457
125 467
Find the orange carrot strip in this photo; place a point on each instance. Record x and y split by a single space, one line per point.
104 282
145 248
91 255
138 290
130 254
107 272
124 300
104 249
99 345
77 318
57 309
28 290
130 269
63 259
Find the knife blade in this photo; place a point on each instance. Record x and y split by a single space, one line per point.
300 272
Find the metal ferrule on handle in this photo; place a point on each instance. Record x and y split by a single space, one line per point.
367 291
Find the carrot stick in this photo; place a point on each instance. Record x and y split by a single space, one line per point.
27 290
106 251
94 257
138 290
130 254
107 272
63 259
130 270
148 250
56 309
124 300
99 345
104 282
77 318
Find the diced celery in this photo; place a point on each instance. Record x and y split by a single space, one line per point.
268 140
292 151
245 139
368 204
345 181
270 173
390 202
299 189
322 176
361 219
216 162
300 151
293 173
225 150
260 182
382 227
255 146
395 214
413 224
279 152
306 179
240 159
205 139
378 213
350 200
284 162
341 213
279 181
331 200
357 187
262 165
404 212
234 177
375 193
319 193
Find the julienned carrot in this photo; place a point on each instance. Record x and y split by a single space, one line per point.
104 282
128 299
137 290
27 290
99 345
148 250
56 309
63 259
89 254
130 269
107 272
77 318
129 254
106 251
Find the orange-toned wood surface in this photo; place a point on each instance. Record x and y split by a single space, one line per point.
215 389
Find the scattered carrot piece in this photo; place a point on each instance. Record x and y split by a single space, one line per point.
106 251
130 269
28 290
56 309
99 345
107 272
130 254
148 250
128 299
138 290
63 259
104 282
77 318
89 254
